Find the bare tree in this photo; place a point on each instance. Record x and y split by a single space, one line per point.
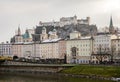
116 57
118 54
112 52
102 53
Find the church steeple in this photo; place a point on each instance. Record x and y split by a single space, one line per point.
111 27
19 31
111 23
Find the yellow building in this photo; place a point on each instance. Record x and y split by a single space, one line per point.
49 49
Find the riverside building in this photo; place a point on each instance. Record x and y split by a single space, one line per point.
5 49
79 49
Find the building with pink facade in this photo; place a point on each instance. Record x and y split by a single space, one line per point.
17 49
62 49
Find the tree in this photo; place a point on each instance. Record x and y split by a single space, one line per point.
118 56
112 52
102 54
65 58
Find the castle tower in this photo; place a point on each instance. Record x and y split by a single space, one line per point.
18 32
88 19
111 27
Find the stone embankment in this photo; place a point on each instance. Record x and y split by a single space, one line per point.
23 67
30 68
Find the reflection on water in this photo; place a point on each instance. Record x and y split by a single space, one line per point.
42 78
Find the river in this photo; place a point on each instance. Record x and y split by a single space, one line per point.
43 78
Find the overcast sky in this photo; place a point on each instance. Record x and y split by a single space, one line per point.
28 13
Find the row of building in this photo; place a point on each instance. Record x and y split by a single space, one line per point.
102 47
78 49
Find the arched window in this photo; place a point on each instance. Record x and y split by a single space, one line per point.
74 50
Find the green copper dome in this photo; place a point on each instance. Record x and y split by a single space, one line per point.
26 35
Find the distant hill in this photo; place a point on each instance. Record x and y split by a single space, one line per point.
63 32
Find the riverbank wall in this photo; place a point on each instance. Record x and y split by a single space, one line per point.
45 70
51 69
23 67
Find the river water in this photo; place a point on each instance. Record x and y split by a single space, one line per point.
43 78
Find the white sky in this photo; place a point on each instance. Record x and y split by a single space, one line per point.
28 13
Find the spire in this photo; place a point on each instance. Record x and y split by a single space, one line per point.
27 31
19 31
111 27
111 23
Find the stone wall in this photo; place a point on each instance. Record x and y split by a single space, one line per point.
31 67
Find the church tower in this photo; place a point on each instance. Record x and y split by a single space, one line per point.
19 31
111 27
27 37
44 34
18 36
53 34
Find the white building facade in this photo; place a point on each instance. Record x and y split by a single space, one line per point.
75 35
68 21
102 48
79 50
6 49
84 21
53 23
116 49
27 50
49 50
17 49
